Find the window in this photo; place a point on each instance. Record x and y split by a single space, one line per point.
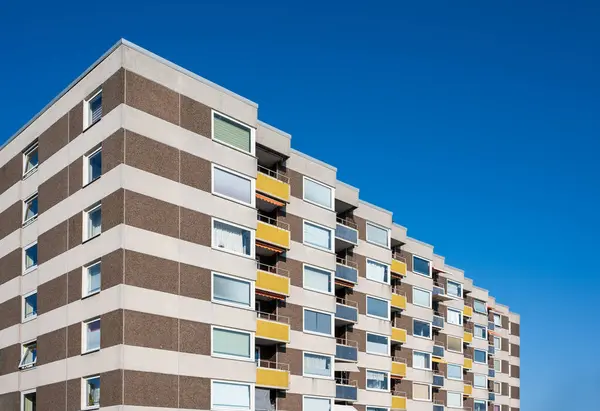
378 308
421 297
378 344
378 235
480 356
421 328
232 344
91 283
28 400
30 209
232 238
30 159
497 387
318 322
479 306
231 396
455 372
232 185
377 380
318 236
421 391
421 266
30 254
421 360
317 279
316 404
233 133
91 336
377 271
28 355
230 290
30 306
454 344
497 320
376 409
317 365
454 399
480 405
479 381
497 343
91 391
454 289
92 166
496 408
318 193
93 219
480 332
92 109
497 365
454 317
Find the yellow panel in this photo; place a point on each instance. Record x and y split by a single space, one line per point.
399 301
468 390
468 311
398 403
468 363
272 187
398 267
398 334
438 360
399 369
272 330
266 377
273 283
468 337
273 235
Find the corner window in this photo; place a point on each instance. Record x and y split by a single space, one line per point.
480 356
421 391
90 336
232 185
317 279
378 380
30 255
422 329
232 343
29 401
231 396
91 391
454 372
30 306
317 236
479 306
421 266
454 399
30 209
454 317
92 166
316 404
480 332
30 159
454 344
92 222
480 405
91 283
318 193
233 133
377 271
318 322
376 307
28 355
317 365
232 238
378 235
497 320
497 343
92 109
454 289
378 344
232 290
421 360
479 381
421 297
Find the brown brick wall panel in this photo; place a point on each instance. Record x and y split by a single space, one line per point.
469 403
10 401
151 156
360 377
194 337
439 397
74 285
195 227
113 209
294 313
75 171
11 265
504 366
504 407
52 294
194 393
505 388
515 329
52 346
195 282
361 263
152 98
11 313
295 269
111 384
360 299
151 331
74 394
195 172
75 230
54 138
11 172
11 219
113 91
75 121
51 397
403 353
150 389
515 350
112 269
361 224
292 357
151 214
505 322
196 117
360 336
440 339
296 183
407 289
505 344
291 402
111 328
146 271
10 357
54 190
408 257
404 386
113 151
469 378
405 322
515 371
296 227
74 339
52 243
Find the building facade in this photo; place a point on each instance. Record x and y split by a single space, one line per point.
161 248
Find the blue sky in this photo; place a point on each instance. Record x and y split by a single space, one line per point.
477 125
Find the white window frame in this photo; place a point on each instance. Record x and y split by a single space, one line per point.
461 344
331 279
23 366
461 290
499 345
430 361
376 316
322 377
484 303
499 362
377 353
461 372
331 236
86 165
387 266
33 316
251 393
84 279
33 267
252 238
87 120
86 221
84 382
318 398
25 203
475 402
430 329
460 316
389 381
252 181
84 341
331 317
422 258
423 383
480 386
480 362
252 133
423 290
26 153
250 334
497 384
389 234
375 408
231 304
484 331
23 394
460 395
499 322
331 191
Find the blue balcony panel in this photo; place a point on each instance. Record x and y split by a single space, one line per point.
346 392
346 233
346 313
346 273
346 353
438 351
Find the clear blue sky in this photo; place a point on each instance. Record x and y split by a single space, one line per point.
478 126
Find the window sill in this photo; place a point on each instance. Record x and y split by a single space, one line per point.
27 367
30 221
91 238
30 172
386 247
90 295
90 351
316 247
91 125
94 407
90 182
30 318
30 269
225 250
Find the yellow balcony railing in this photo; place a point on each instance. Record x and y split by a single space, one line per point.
270 374
274 232
468 391
272 280
398 401
273 184
398 299
398 335
398 367
468 337
398 265
468 363
273 327
468 311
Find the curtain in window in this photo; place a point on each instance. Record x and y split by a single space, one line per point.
232 133
231 238
317 193
95 222
377 235
233 186
480 331
93 335
316 404
421 297
454 317
93 280
31 256
377 344
454 371
421 329
317 322
453 289
262 400
377 380
420 391
421 360
30 402
454 344
93 391
231 343
231 290
377 271
317 279
317 236
454 399
377 307
317 365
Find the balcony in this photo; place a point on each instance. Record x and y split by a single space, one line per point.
468 363
272 328
346 272
468 337
273 232
438 351
398 299
270 374
491 326
492 396
346 350
398 335
468 390
438 380
468 311
346 312
440 407
491 350
272 280
398 401
398 368
273 184
438 322
398 267
346 234
439 293
346 390
491 373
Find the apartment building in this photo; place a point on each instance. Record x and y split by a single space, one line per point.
161 248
